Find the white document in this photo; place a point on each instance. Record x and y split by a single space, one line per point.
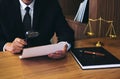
42 50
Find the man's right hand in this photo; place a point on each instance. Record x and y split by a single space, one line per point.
16 46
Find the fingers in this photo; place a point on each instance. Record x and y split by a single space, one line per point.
16 49
16 46
56 55
19 42
65 48
59 54
10 47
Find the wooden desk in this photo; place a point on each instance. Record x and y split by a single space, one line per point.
11 67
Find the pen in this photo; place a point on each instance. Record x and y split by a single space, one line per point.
94 53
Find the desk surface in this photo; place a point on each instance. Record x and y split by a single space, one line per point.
11 67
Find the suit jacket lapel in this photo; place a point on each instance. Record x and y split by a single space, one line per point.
17 12
37 15
18 25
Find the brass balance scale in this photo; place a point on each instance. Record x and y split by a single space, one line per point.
110 31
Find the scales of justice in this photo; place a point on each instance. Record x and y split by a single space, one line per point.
110 31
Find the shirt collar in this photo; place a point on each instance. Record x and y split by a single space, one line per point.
23 5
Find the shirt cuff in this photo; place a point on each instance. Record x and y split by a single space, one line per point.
4 47
69 45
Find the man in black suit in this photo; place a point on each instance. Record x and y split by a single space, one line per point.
46 19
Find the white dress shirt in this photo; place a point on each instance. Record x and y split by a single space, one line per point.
23 11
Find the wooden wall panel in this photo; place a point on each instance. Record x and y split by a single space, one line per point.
70 7
108 10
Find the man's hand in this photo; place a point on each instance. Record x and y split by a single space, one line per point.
59 54
16 46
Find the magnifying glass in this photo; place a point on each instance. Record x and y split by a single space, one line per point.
31 34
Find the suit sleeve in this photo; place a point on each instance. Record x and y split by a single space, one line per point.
63 30
2 37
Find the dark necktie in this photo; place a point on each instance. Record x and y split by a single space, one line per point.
27 19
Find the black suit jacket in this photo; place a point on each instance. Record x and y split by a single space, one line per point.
47 19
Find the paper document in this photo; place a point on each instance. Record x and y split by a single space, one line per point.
42 50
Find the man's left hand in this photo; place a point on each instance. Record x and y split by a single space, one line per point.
59 54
